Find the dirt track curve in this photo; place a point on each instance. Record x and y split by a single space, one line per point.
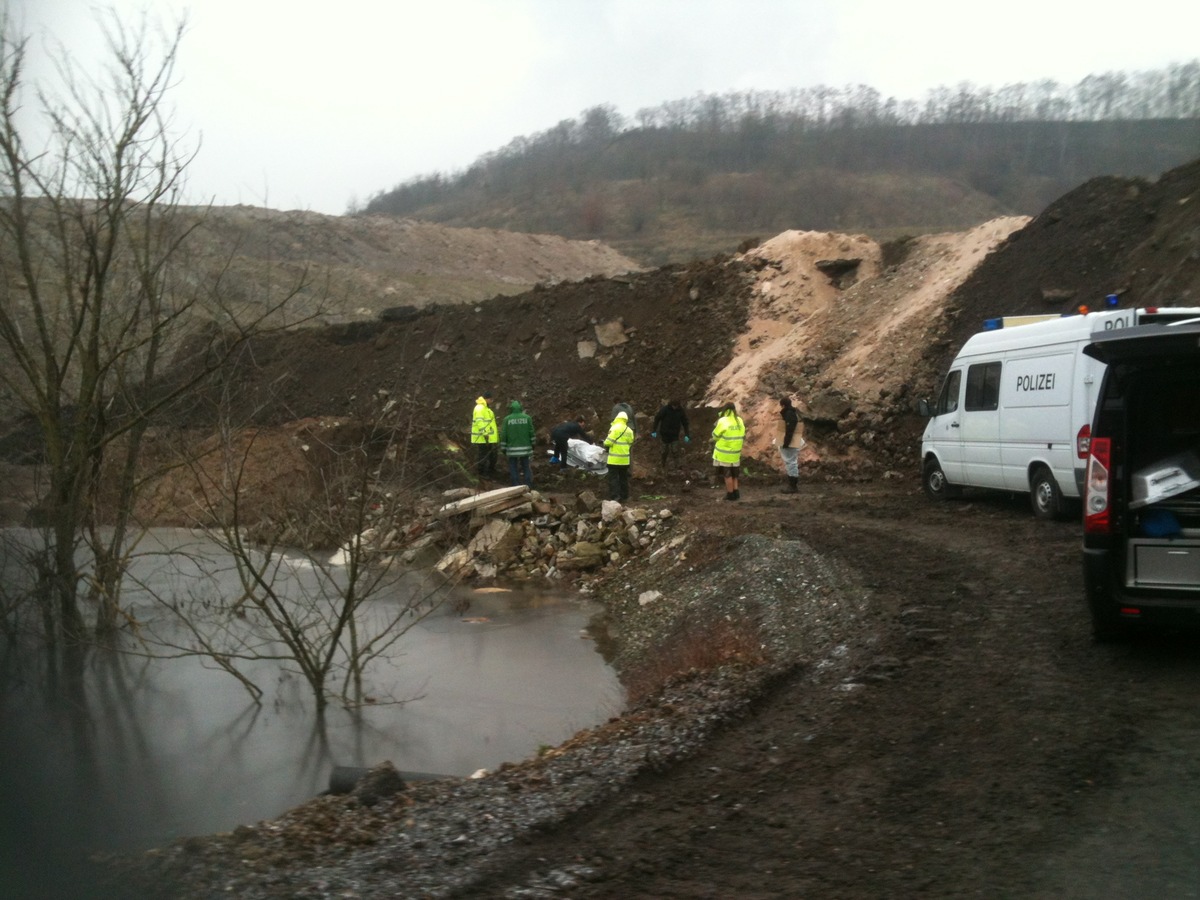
986 747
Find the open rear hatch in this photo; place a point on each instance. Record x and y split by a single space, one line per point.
1161 449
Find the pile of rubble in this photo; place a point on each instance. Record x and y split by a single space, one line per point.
518 533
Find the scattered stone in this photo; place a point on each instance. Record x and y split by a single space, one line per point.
583 555
610 510
611 334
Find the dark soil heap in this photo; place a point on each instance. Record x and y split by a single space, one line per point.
1129 237
675 326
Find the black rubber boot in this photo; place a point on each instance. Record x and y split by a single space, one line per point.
737 495
731 495
793 485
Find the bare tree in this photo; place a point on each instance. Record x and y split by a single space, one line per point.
98 290
327 616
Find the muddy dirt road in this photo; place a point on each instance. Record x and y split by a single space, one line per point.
984 747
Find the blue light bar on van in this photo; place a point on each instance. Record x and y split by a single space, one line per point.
1112 301
1012 321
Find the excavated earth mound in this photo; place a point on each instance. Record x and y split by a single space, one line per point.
855 331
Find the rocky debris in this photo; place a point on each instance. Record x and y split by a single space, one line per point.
516 533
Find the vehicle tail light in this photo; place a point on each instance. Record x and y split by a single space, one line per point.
1083 441
1096 513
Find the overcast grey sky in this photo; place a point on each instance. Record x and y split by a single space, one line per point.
313 105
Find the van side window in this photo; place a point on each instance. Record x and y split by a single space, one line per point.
983 387
948 401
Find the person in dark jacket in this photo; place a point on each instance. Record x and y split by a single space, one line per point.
561 434
790 444
516 443
670 424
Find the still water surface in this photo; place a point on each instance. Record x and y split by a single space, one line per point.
174 748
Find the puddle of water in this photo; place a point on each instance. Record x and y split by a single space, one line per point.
173 748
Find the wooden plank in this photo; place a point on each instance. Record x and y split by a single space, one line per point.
499 497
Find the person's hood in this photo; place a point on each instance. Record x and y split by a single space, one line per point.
481 401
515 407
622 415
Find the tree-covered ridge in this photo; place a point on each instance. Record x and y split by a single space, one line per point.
690 173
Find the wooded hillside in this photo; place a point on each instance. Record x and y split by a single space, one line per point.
698 176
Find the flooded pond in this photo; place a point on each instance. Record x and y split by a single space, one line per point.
168 748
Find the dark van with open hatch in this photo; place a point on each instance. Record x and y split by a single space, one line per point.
1141 515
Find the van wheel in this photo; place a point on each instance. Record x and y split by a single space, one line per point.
933 479
1045 496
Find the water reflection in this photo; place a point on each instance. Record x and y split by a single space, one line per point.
164 748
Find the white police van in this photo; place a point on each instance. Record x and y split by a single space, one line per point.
1016 406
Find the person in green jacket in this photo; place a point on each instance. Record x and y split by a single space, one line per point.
516 442
728 436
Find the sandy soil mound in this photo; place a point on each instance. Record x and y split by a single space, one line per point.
828 297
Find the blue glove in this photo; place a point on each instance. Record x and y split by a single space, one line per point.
687 439
654 434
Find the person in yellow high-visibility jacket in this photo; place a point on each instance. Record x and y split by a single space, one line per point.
485 436
728 436
619 443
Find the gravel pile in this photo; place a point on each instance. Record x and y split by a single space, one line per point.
436 839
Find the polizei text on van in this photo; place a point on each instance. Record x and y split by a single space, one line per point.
1042 382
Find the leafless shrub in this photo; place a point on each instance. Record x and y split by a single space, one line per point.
698 647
